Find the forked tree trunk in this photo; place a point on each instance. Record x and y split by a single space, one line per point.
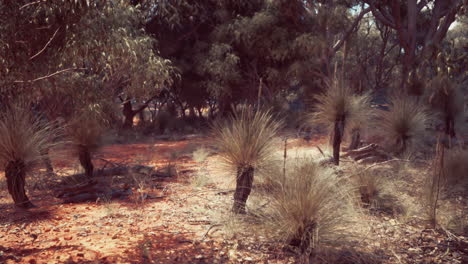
244 183
15 172
85 160
337 138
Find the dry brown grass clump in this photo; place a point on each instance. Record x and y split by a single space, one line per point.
404 124
310 207
24 140
246 141
340 110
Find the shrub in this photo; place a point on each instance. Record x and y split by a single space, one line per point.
245 141
310 206
404 123
340 110
24 141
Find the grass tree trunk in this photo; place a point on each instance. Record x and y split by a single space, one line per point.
449 126
46 160
129 114
337 138
355 139
244 183
15 173
84 156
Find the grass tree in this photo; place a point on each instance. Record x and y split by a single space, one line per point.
85 130
404 122
446 98
245 141
340 109
310 207
23 142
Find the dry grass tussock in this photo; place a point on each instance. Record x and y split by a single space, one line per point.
246 138
404 124
309 207
25 137
337 101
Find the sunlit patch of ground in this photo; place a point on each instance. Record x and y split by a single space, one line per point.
188 221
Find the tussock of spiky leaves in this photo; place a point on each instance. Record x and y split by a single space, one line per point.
26 137
404 124
86 128
247 137
446 98
310 206
338 100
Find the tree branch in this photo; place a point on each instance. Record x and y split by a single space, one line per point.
49 75
46 45
353 27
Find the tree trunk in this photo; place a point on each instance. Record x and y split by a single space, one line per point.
244 183
337 138
355 139
15 173
85 160
128 113
46 160
141 115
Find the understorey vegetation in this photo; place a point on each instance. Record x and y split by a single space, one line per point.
297 131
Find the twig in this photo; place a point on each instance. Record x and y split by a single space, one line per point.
320 151
46 45
49 75
209 229
32 3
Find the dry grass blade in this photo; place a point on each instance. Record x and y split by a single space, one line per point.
246 138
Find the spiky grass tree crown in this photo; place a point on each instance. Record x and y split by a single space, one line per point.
246 138
339 102
405 121
309 206
86 127
25 137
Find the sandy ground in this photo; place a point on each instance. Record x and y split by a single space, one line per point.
183 218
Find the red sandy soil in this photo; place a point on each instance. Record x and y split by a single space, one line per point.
185 226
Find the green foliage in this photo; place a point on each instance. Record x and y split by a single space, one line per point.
85 51
246 139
